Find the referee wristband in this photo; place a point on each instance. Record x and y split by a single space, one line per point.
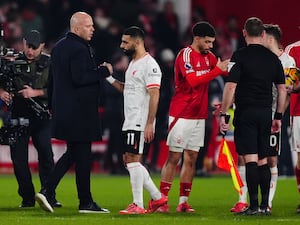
277 116
110 79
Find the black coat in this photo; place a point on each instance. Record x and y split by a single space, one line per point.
74 90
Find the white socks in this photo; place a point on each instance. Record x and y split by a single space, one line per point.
273 184
150 186
243 196
183 199
139 178
136 180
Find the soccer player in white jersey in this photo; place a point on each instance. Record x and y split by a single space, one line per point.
141 95
272 42
195 66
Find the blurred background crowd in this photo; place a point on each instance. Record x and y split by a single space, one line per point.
167 24
159 18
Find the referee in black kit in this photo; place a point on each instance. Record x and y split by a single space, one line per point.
252 72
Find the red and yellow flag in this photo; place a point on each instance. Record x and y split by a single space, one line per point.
226 162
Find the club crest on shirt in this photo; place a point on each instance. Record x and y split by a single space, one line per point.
207 61
134 72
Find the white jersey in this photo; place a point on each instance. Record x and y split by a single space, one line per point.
140 75
287 62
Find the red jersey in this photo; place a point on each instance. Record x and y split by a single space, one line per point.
294 51
191 102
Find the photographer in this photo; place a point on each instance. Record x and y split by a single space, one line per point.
27 92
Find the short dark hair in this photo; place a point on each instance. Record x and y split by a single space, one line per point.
273 30
254 27
135 32
203 29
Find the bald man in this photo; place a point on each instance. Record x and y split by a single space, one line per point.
73 92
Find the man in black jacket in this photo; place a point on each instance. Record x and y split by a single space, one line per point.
74 95
28 87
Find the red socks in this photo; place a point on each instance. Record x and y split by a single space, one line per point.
165 187
297 173
185 189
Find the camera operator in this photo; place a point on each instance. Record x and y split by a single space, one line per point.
29 91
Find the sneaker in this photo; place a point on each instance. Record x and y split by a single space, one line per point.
132 209
239 207
163 209
184 207
298 209
43 202
249 212
51 198
155 204
56 204
27 204
92 207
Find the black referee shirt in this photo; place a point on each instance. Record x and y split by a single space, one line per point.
256 68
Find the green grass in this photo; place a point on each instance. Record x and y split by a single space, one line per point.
211 197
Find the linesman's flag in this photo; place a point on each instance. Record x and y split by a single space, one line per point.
226 162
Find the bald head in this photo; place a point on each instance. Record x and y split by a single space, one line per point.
81 24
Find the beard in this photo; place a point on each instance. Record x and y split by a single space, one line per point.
129 52
204 51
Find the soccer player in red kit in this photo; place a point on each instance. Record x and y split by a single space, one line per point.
294 51
195 67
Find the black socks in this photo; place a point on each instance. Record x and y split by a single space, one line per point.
252 179
258 176
264 182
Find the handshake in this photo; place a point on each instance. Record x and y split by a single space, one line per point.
109 76
108 66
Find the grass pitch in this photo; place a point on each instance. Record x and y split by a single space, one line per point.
211 197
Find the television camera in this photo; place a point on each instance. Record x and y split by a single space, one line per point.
10 129
10 71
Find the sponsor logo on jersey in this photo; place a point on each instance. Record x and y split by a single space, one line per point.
134 72
198 64
201 72
154 70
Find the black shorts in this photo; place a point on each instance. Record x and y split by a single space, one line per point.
252 131
133 142
274 144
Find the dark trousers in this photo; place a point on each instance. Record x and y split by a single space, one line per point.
78 153
40 132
